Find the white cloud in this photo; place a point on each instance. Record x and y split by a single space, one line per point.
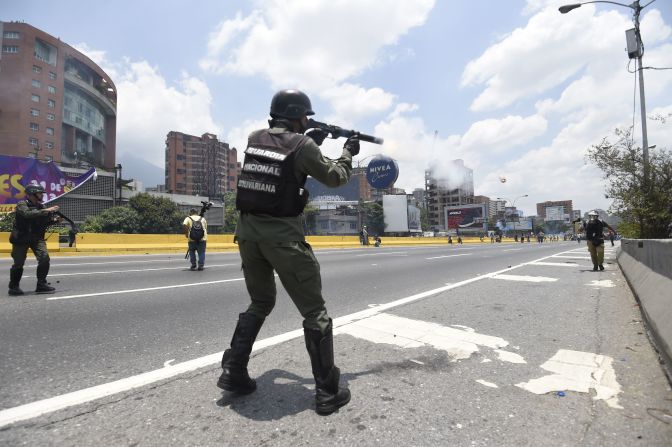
315 44
497 135
546 52
351 102
148 107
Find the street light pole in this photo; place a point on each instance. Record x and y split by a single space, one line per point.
636 11
513 205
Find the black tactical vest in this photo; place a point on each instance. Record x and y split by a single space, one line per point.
37 226
267 184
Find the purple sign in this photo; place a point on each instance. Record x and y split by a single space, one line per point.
18 172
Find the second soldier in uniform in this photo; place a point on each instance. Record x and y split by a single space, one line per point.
271 198
32 221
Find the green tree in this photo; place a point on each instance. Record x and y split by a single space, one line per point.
157 215
118 219
424 219
643 205
310 214
230 212
372 217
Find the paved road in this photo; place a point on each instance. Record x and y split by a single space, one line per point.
447 345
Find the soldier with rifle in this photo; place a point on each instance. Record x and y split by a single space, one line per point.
271 197
32 221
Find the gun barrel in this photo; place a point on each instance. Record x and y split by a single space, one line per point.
336 132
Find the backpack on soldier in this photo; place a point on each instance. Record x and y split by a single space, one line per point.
196 233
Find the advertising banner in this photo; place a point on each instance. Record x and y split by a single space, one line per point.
382 171
18 172
465 217
395 211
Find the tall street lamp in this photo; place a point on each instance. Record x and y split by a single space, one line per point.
634 40
513 205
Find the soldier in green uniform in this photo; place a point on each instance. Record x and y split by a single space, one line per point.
271 198
32 220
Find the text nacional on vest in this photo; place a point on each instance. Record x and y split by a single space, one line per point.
257 186
262 169
265 153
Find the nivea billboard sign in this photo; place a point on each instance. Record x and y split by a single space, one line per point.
382 172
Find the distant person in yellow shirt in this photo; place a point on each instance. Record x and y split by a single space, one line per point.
196 231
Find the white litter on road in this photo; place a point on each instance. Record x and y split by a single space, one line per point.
524 278
511 357
578 371
601 283
489 384
407 333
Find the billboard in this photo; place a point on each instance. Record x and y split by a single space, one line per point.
348 191
395 211
18 172
382 171
471 218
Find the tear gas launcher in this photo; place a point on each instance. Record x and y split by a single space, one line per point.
337 132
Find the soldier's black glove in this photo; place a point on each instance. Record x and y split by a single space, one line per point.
317 135
352 145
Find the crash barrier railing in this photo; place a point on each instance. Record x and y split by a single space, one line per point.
647 266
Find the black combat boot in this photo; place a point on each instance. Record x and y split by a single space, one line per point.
234 376
15 274
42 284
328 396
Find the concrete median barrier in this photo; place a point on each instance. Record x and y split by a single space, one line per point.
647 265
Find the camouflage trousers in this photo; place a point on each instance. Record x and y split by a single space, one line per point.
299 274
39 248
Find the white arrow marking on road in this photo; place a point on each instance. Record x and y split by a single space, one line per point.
603 283
556 264
407 333
490 384
511 357
525 278
578 371
450 256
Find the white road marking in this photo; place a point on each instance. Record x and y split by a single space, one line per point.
37 408
511 357
512 249
606 283
407 333
578 371
572 257
489 384
556 264
416 361
147 289
450 256
167 363
131 270
525 278
385 253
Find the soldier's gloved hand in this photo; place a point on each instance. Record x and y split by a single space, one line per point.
352 145
317 135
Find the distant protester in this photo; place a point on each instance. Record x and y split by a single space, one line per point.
196 231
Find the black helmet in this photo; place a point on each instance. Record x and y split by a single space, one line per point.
291 104
34 189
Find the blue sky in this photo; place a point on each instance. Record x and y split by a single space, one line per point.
514 88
